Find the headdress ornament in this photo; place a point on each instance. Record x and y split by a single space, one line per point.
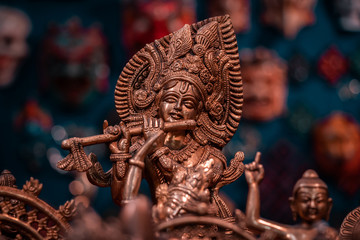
204 54
309 179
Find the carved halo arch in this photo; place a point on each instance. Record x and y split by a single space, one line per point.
140 80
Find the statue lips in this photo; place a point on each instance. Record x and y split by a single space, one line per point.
175 115
313 213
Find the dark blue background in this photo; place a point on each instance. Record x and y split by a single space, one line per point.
286 151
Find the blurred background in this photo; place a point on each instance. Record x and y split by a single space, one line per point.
60 60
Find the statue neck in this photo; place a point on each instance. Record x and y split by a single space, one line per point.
175 140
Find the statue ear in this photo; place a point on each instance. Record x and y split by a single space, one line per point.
330 204
199 109
293 208
200 106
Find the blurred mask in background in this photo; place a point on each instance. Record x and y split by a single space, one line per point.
32 125
337 149
289 16
145 21
349 14
265 84
74 63
332 65
14 29
239 11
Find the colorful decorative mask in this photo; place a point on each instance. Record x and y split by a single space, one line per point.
332 65
265 84
239 11
75 62
145 21
337 149
289 16
14 29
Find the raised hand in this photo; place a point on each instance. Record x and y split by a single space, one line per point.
254 171
154 128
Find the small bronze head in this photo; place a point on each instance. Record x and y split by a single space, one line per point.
310 199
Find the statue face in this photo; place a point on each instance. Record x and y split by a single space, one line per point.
179 102
311 204
265 92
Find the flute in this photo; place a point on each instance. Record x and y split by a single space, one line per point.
134 131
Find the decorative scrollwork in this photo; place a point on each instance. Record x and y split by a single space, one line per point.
205 54
68 210
24 216
33 186
350 227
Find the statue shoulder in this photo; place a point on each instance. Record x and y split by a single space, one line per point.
216 154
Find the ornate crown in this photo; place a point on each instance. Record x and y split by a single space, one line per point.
204 54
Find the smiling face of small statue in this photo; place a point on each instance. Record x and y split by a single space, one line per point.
311 204
310 200
180 101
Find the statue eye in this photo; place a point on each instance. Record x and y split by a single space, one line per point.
170 99
189 104
304 199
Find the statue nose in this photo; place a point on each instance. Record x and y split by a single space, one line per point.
178 105
313 204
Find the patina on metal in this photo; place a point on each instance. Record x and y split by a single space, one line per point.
24 216
310 201
179 100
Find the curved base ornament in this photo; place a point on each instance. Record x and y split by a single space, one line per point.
190 227
350 227
24 216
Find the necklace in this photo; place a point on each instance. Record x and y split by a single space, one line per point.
185 153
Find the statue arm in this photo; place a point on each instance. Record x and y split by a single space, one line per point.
154 137
254 174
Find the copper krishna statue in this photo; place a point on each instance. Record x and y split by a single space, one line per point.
179 100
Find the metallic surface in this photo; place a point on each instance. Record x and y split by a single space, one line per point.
179 100
350 227
25 215
313 205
